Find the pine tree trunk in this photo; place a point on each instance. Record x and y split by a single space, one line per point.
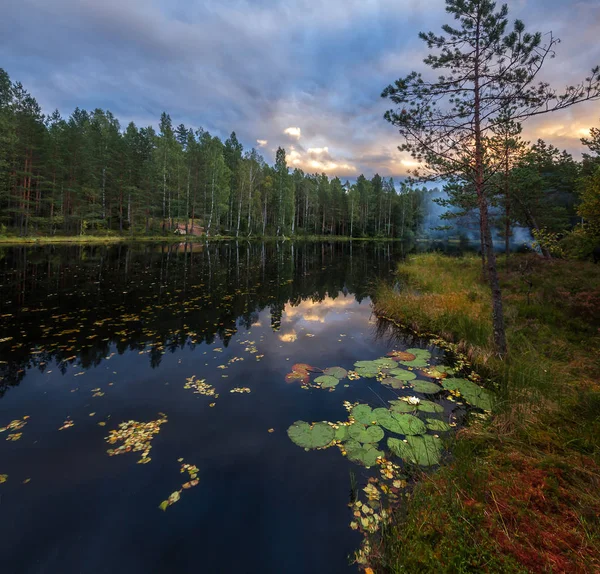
497 308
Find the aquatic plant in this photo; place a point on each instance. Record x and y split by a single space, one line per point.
424 450
309 436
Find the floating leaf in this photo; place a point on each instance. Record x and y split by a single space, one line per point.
420 353
438 425
405 424
366 373
417 363
471 392
402 407
394 383
362 414
301 376
341 432
403 374
327 382
425 387
360 433
304 367
307 436
336 372
402 356
363 454
3 478
422 450
430 407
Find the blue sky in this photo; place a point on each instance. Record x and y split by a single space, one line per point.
303 74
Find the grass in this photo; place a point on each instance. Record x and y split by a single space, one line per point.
521 492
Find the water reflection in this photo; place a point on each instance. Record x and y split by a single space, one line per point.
62 304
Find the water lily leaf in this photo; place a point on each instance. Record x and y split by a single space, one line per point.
366 365
438 425
402 407
363 454
422 450
362 414
472 393
307 436
326 381
394 382
361 434
402 356
417 363
341 432
304 367
420 353
366 373
401 423
430 407
385 362
301 376
403 374
425 387
336 372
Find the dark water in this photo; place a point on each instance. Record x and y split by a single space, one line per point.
130 324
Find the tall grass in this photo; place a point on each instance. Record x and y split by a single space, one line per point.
522 491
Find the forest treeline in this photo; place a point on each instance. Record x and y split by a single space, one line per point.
87 175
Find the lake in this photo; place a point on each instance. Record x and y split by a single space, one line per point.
92 337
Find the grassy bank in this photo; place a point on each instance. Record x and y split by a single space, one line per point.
521 492
126 238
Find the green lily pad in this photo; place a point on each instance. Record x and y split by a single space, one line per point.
444 369
425 387
326 381
366 365
422 450
385 363
438 425
366 373
362 414
336 372
430 407
361 434
394 383
341 433
402 407
363 454
401 423
471 392
319 435
418 363
420 353
403 374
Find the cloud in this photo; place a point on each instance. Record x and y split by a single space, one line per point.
262 143
295 133
289 71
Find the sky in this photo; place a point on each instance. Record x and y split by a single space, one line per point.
306 75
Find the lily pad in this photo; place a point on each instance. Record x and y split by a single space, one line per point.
403 374
438 425
366 365
336 372
363 454
307 436
361 434
430 407
366 373
362 414
472 393
402 407
417 363
401 423
341 433
327 382
425 387
422 450
402 356
420 353
394 383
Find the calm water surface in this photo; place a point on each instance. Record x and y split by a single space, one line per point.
94 334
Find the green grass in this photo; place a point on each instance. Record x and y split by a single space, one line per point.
522 490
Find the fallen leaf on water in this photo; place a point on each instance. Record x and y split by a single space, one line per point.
3 478
27 480
271 430
14 436
67 424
